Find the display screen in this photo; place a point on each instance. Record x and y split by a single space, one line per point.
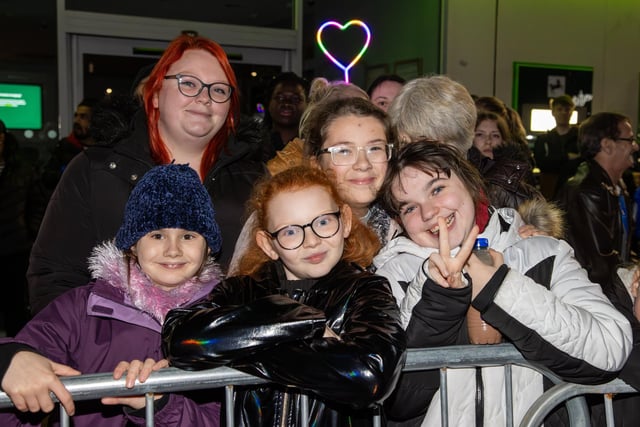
21 106
542 120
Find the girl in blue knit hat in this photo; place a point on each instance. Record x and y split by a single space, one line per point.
159 260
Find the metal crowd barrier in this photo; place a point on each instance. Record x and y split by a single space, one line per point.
95 386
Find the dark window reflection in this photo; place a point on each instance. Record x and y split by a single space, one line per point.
271 13
116 73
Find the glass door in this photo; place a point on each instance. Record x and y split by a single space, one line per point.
102 65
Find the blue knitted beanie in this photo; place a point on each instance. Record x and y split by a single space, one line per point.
169 196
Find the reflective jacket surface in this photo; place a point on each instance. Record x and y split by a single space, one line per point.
253 326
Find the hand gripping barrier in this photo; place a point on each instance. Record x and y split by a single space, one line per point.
95 386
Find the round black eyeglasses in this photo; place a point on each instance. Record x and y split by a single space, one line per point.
292 236
192 86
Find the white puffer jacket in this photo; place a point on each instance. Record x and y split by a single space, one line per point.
543 303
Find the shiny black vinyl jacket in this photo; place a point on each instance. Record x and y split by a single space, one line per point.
254 326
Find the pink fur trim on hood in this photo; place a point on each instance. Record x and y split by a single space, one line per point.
109 263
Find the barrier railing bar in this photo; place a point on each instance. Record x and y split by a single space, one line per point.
561 392
463 356
466 356
95 386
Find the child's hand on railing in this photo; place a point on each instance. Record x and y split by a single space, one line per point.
135 370
31 377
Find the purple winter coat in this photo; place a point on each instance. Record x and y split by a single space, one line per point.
94 327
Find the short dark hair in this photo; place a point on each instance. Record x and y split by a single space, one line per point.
384 78
88 102
287 77
434 158
565 100
597 127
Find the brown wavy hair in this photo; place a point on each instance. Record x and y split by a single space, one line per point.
360 246
501 123
173 53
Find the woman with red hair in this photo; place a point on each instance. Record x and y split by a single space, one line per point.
191 106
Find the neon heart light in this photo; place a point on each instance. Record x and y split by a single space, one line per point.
344 68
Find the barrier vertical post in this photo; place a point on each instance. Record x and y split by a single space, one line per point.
149 412
508 394
64 417
444 401
304 409
228 399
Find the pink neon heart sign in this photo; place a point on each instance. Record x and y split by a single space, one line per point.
356 22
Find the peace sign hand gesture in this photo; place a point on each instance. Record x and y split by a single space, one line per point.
444 269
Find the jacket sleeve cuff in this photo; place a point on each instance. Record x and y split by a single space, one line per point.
488 293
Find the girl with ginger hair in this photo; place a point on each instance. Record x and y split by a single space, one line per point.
304 314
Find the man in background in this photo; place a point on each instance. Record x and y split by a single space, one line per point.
595 199
75 142
384 89
556 152
599 228
65 150
286 101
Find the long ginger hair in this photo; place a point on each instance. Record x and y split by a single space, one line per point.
173 53
359 247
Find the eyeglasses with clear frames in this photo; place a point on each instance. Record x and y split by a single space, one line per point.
345 155
292 236
192 86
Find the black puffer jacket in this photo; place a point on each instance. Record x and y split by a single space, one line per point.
507 176
15 183
88 205
252 325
